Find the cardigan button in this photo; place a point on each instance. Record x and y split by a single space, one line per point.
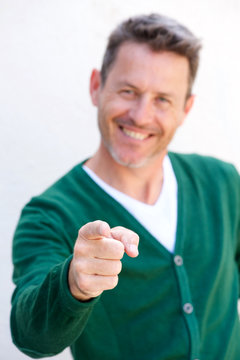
188 308
178 260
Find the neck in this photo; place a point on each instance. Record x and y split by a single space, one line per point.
143 183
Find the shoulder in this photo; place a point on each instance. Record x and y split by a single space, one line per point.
207 175
203 166
57 210
208 179
61 195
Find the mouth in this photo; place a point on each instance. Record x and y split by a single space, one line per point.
134 135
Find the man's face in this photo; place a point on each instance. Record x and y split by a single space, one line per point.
141 104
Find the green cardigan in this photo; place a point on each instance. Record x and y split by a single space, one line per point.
180 306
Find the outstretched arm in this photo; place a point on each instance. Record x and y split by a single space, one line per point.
56 291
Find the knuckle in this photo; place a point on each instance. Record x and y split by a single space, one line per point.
113 281
96 223
118 228
81 230
83 283
80 235
80 266
80 247
120 250
136 237
103 227
133 237
118 267
85 229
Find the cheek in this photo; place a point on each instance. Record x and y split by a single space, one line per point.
174 116
165 117
116 107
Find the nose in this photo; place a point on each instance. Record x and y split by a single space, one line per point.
142 111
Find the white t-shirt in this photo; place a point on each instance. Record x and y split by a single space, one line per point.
159 219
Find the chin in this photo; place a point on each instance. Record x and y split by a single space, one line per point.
133 164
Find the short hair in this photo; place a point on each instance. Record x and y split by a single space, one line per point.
160 33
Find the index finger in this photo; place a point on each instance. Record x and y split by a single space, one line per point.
95 230
129 239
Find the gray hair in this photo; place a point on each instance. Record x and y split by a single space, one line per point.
160 33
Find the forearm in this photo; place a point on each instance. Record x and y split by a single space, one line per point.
46 318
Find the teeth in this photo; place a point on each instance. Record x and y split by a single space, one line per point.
134 134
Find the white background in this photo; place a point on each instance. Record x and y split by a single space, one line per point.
47 123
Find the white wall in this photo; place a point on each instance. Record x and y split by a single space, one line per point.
47 50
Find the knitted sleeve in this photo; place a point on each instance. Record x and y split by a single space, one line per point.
45 318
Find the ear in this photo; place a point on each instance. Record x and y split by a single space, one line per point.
95 85
189 103
187 107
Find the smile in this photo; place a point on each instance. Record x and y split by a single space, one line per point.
133 134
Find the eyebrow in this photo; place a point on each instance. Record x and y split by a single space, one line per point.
163 94
124 83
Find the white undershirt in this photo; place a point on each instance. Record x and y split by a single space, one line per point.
159 219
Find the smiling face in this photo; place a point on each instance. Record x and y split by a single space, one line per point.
141 104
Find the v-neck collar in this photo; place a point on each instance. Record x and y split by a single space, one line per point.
135 225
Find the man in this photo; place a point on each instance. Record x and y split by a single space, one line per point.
75 287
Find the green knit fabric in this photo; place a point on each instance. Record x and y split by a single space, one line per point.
145 317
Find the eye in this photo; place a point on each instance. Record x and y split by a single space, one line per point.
162 99
128 93
162 102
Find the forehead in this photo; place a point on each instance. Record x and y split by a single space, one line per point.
138 62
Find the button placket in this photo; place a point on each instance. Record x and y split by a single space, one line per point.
186 304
